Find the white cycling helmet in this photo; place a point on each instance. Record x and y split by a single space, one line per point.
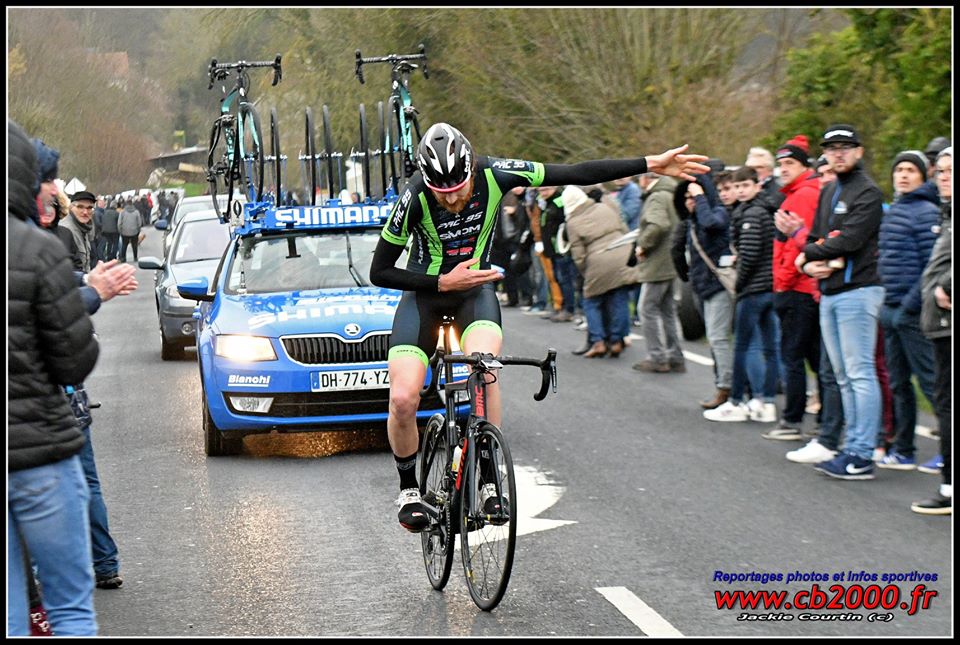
445 158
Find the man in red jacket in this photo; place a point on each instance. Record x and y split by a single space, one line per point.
796 296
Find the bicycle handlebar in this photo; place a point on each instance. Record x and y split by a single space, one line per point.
219 71
393 59
548 368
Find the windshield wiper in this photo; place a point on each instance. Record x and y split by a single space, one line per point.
353 270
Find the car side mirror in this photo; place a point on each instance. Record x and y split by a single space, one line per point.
195 289
150 262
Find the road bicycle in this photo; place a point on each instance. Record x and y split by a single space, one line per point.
236 152
463 460
404 122
276 160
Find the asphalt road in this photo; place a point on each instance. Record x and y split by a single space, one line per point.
638 500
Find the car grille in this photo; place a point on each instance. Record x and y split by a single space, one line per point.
324 350
322 404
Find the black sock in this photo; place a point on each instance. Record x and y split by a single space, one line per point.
407 467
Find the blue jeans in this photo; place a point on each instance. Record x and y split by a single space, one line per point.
908 352
565 272
755 311
47 508
105 557
831 403
718 320
848 322
608 316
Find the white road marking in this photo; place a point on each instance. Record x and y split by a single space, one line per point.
536 494
697 358
924 431
638 612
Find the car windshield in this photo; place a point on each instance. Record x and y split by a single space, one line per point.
201 240
303 260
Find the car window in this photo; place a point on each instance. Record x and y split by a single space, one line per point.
302 261
184 208
201 240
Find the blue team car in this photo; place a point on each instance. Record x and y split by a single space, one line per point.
290 334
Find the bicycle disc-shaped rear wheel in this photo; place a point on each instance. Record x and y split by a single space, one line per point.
251 161
436 488
275 151
487 542
364 152
328 147
310 152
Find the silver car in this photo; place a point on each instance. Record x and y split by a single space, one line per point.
186 206
195 252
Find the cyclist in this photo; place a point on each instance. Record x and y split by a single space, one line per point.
450 208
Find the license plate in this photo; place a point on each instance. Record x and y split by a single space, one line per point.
370 379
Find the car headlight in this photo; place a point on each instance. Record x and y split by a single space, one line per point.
245 348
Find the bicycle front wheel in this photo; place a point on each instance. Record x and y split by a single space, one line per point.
251 152
310 152
365 152
275 151
328 147
488 531
382 145
436 488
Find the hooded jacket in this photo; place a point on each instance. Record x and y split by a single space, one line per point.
591 227
801 198
934 321
710 222
50 336
908 232
658 218
846 226
751 233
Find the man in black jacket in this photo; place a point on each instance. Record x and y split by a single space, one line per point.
51 342
841 252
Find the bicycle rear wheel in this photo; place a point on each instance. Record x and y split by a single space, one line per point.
487 541
275 151
217 164
437 489
328 147
393 144
365 152
310 152
251 152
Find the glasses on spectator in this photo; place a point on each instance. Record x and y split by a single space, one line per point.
839 147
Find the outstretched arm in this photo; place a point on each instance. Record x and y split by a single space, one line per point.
672 163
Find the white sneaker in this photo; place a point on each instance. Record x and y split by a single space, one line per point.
762 412
729 411
879 454
812 453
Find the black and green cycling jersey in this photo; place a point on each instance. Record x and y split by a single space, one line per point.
440 239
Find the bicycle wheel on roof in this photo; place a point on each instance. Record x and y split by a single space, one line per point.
251 152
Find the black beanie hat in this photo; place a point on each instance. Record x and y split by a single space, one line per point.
916 157
796 148
47 159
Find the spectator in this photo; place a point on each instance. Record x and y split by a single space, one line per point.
796 297
111 231
557 265
129 225
76 231
47 161
841 253
935 317
629 198
51 342
824 172
657 273
506 243
704 236
907 236
751 235
98 230
761 160
592 226
932 151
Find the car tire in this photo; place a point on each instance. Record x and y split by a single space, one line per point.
170 351
688 313
215 444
